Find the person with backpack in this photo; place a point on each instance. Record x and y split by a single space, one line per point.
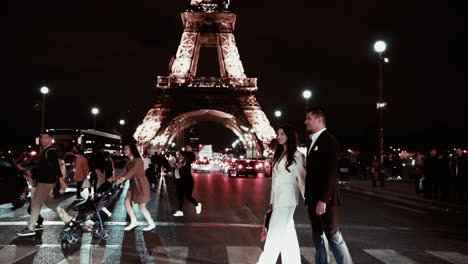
47 175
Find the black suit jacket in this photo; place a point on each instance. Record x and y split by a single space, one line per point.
321 178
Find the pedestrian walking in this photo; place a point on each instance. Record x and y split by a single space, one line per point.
321 190
185 183
288 173
48 173
100 169
139 189
81 167
459 173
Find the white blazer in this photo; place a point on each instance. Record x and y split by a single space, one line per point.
286 185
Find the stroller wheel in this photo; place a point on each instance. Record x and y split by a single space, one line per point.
72 238
65 235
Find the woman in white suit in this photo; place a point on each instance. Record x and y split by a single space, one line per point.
288 175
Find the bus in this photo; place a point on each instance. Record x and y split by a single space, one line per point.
87 140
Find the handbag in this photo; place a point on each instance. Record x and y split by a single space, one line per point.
266 224
267 218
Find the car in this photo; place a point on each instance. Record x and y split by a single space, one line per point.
202 165
242 168
13 186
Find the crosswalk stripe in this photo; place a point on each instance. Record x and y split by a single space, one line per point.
450 256
389 256
243 255
13 253
177 255
89 253
309 254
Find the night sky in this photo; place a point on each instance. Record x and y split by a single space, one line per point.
108 54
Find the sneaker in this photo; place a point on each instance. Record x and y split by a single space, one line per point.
178 213
39 227
198 208
79 199
130 226
26 232
149 227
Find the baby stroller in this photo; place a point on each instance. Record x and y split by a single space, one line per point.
89 217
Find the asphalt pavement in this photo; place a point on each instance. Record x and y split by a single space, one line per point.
380 225
403 192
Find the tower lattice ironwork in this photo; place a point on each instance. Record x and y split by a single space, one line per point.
184 98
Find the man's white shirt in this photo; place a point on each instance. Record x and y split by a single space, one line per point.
314 137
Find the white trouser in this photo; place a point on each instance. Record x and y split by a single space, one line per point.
281 238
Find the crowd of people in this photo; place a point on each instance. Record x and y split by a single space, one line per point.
91 171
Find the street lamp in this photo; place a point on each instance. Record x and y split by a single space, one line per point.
379 47
95 112
278 115
44 91
122 123
307 94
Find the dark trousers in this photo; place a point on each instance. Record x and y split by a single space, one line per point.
93 182
184 191
326 236
79 188
326 223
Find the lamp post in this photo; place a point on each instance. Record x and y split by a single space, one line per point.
95 112
44 91
122 123
307 94
278 115
379 47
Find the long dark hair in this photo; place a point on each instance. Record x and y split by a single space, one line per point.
291 144
134 150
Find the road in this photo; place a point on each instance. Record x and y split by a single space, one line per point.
229 227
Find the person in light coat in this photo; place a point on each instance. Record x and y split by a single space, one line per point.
288 174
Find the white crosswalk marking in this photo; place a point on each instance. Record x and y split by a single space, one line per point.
89 253
389 256
243 255
168 255
12 253
309 254
450 256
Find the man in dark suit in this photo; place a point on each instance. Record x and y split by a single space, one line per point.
321 192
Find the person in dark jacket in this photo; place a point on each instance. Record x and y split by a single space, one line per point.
432 173
47 175
322 196
184 183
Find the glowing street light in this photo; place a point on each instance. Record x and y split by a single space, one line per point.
44 91
122 123
95 112
379 47
307 94
278 115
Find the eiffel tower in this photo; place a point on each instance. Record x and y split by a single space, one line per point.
184 98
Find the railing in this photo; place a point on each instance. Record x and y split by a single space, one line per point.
167 82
